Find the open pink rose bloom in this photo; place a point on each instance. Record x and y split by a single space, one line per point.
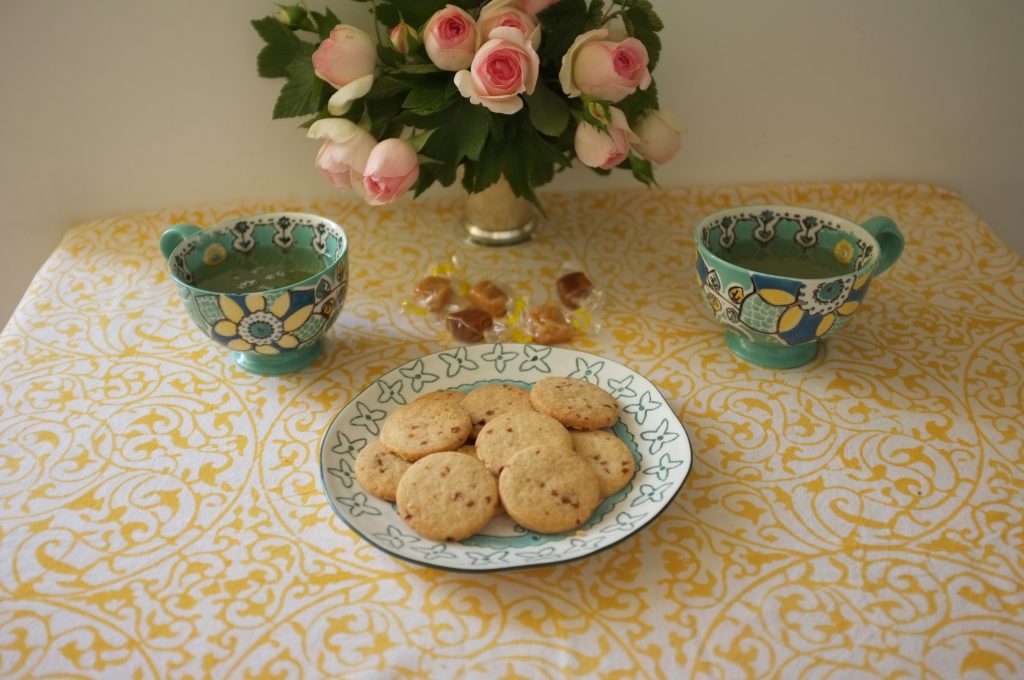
346 55
504 67
450 38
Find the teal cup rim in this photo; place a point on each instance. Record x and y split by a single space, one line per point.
223 225
848 225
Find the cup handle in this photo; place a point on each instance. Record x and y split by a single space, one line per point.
890 241
172 236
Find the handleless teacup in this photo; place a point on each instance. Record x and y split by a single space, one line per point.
781 278
267 287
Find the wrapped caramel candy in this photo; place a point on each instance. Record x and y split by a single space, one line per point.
433 292
470 324
488 296
574 288
548 325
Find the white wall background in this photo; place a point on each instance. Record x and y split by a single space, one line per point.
113 106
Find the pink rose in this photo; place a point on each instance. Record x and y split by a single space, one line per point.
450 37
603 69
503 13
597 148
660 136
535 7
346 55
504 67
391 169
344 151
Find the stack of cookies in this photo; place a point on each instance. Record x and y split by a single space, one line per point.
453 460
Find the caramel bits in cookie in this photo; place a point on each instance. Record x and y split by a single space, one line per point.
549 489
511 431
424 427
488 401
379 470
610 459
575 403
448 496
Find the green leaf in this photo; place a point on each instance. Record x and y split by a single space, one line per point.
417 141
303 92
273 59
325 22
594 15
423 70
560 24
636 105
643 24
387 86
462 136
382 112
415 12
548 112
642 169
487 170
426 100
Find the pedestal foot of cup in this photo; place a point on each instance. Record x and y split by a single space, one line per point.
770 356
292 360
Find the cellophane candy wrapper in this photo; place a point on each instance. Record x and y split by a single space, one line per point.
460 308
572 312
471 309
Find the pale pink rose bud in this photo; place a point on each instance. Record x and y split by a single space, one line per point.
450 38
346 55
345 150
404 38
293 16
504 13
391 170
602 69
660 135
504 67
535 7
597 148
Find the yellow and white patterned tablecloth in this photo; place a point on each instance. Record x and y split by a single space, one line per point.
161 513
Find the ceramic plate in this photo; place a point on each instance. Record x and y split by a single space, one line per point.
646 424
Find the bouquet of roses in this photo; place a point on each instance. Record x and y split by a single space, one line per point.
505 88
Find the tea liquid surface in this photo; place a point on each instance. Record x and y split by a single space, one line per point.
817 263
262 269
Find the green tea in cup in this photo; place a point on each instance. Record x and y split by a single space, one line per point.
781 278
267 287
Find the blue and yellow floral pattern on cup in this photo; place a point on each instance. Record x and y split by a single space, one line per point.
781 278
242 283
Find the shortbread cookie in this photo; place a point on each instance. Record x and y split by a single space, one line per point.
485 402
609 457
548 489
514 430
575 403
450 396
379 470
447 496
424 427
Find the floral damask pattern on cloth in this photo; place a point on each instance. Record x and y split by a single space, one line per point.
161 512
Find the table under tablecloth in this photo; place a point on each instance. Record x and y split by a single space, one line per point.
161 513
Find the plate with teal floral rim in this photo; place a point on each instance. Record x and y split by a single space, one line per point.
647 425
